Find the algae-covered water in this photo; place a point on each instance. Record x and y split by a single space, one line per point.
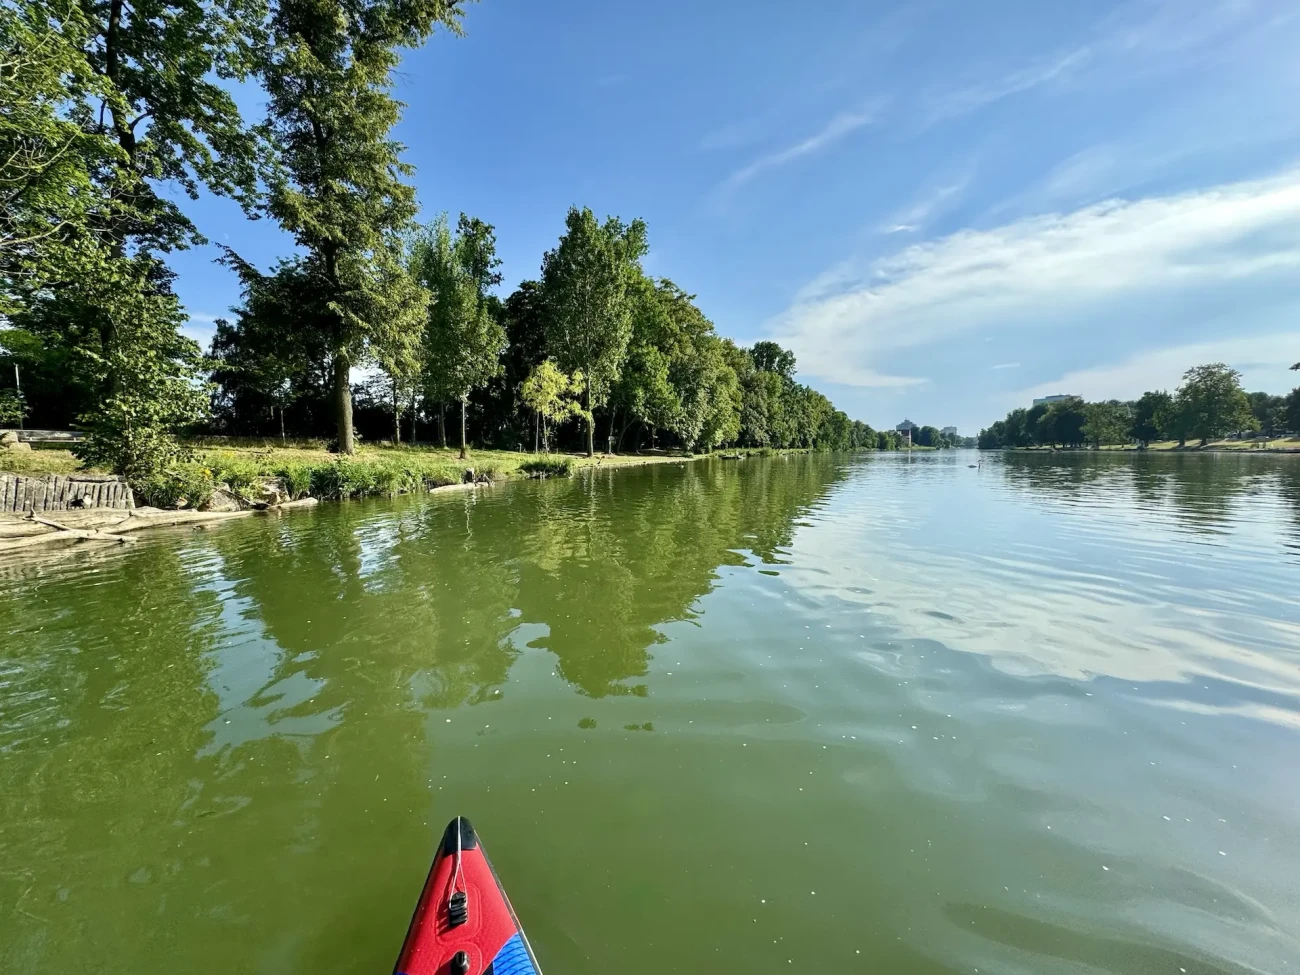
829 713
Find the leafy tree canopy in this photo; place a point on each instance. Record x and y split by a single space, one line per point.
586 281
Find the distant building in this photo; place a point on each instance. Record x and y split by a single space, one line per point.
906 426
1055 398
949 432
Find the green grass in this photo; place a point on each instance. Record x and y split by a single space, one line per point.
1276 443
547 466
39 462
307 468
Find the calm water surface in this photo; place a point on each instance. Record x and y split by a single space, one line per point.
841 714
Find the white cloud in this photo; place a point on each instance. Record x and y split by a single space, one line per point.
920 212
1006 365
842 125
732 135
1263 361
961 101
200 327
1096 265
1139 39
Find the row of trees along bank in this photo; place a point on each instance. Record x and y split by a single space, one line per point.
594 340
108 110
1209 405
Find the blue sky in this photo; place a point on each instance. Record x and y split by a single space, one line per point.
944 208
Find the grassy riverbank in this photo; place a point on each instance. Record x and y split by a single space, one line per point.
1275 445
307 469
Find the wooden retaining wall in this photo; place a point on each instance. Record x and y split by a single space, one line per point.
58 492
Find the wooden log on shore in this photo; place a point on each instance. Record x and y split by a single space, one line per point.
112 524
79 532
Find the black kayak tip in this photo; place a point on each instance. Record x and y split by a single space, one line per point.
468 838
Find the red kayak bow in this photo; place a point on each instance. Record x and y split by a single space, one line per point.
464 925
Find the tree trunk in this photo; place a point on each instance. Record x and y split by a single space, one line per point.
627 425
442 424
591 422
613 413
537 429
464 406
281 423
413 418
343 404
397 417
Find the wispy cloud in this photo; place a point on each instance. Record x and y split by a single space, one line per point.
834 131
1110 262
200 327
924 209
1260 358
955 102
1139 39
733 135
1006 365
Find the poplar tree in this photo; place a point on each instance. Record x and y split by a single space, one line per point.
464 341
586 282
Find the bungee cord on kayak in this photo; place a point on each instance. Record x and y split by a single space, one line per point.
488 941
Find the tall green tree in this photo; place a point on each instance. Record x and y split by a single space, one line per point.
501 417
1106 423
990 438
710 396
337 179
464 340
1018 430
644 392
272 356
770 357
1212 402
1291 406
585 283
1173 419
1147 410
1269 412
48 156
103 105
1061 423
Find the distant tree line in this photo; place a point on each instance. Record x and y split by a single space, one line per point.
107 110
927 436
1209 405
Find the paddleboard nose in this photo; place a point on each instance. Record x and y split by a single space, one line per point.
463 923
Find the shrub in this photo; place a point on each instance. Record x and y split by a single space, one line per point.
326 481
440 475
385 479
239 473
187 485
547 467
12 408
489 473
296 477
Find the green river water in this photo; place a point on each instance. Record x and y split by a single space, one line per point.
870 714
